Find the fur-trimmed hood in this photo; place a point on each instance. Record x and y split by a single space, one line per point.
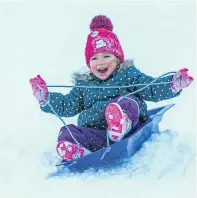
85 73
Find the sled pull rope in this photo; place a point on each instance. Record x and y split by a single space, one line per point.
112 87
147 85
64 123
101 87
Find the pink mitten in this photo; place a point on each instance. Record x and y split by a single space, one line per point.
39 88
181 79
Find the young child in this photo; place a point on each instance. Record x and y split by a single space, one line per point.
104 111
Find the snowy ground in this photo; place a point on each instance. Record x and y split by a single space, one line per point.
48 39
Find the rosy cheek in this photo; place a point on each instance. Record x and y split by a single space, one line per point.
113 63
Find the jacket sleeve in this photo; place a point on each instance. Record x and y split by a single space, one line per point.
65 105
153 93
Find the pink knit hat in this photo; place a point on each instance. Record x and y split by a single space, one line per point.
102 39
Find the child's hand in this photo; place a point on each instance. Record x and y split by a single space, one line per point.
39 88
181 79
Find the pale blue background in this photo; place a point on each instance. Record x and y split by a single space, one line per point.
48 38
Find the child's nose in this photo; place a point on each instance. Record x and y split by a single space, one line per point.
101 61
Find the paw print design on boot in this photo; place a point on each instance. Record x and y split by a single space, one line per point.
119 124
69 151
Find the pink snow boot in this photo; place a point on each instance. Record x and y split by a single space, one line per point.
119 124
69 151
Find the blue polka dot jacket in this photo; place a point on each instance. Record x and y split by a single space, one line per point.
90 103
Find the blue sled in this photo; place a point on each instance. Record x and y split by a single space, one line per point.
116 153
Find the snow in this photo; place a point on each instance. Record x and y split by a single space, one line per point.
48 38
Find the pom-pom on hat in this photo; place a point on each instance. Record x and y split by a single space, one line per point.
102 39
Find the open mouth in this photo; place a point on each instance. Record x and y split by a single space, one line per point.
102 70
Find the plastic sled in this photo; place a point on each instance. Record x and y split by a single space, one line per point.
117 152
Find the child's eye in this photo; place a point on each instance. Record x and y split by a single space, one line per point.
94 58
106 56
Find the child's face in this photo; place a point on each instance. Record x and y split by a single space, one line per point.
103 64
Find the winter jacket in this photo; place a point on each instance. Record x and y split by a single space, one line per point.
90 103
